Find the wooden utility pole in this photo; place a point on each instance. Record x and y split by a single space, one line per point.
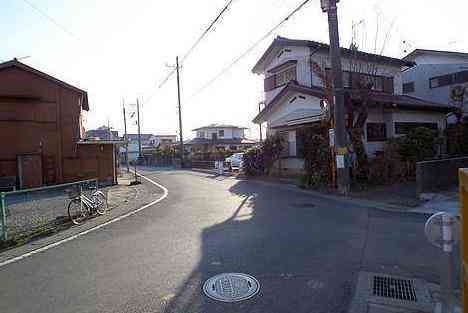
181 144
140 154
260 124
341 145
125 135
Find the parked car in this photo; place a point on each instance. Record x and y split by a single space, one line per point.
235 160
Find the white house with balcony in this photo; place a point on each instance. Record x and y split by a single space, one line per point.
294 95
222 137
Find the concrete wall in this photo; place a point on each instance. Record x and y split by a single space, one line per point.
288 167
432 176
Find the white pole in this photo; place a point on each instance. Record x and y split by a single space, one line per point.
447 238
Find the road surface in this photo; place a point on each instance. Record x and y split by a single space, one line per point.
305 251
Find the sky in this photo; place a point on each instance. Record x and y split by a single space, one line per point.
119 50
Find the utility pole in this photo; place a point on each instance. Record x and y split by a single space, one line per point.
125 135
180 116
140 155
109 134
341 147
260 124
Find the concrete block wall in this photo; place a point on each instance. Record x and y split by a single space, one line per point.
436 175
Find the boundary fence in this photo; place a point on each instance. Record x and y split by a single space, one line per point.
24 213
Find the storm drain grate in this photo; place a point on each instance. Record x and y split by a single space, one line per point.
231 287
395 288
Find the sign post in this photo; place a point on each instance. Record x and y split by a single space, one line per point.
442 230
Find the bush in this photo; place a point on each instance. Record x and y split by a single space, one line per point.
259 160
398 161
419 144
253 163
316 155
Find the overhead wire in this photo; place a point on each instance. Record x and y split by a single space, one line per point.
249 49
50 19
197 42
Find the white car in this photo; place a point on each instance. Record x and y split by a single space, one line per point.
235 160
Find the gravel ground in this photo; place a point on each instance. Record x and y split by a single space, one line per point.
46 212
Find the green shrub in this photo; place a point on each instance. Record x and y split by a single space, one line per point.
259 160
419 144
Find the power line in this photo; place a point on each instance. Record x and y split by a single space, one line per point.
192 48
250 49
52 20
225 8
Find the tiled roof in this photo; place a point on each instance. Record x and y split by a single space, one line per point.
215 125
134 137
290 87
398 101
282 41
236 141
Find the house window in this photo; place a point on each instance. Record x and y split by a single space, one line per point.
441 81
201 134
221 133
352 80
376 132
403 128
280 79
461 77
408 87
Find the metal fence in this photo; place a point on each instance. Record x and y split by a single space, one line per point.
35 211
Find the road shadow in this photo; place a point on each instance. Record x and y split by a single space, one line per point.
274 236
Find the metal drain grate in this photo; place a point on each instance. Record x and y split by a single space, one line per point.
231 287
395 288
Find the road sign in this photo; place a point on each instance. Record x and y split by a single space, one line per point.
331 136
443 230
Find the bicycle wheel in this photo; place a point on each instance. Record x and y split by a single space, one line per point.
77 211
100 202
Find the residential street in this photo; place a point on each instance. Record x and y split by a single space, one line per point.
305 251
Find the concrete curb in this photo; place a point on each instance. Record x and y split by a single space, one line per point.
347 200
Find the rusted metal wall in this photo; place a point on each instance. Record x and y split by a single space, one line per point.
37 116
93 160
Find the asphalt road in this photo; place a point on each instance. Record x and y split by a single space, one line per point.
305 251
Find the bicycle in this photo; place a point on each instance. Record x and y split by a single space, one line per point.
82 207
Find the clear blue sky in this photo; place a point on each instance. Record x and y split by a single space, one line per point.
118 49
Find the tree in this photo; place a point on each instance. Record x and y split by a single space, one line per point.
361 79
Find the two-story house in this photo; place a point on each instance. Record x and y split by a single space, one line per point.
163 141
219 137
439 76
295 94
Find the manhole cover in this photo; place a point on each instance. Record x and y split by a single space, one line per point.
395 288
231 287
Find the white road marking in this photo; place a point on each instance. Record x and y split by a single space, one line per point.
121 217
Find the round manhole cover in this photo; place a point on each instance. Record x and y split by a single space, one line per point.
231 287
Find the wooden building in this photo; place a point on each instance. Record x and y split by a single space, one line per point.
41 128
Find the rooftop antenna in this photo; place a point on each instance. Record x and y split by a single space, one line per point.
22 58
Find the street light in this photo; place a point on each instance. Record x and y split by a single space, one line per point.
325 4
